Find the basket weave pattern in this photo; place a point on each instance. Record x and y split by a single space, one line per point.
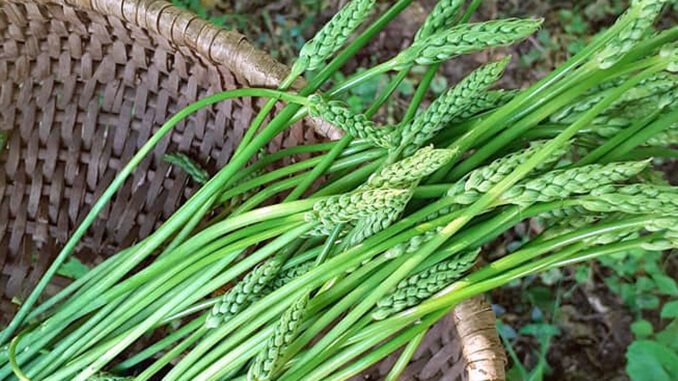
83 84
80 93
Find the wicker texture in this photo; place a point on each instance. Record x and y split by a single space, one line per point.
83 84
80 93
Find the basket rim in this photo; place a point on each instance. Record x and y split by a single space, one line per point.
474 319
184 28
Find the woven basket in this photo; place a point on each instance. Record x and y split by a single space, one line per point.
83 85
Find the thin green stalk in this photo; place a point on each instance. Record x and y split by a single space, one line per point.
597 154
204 354
486 231
59 321
596 252
317 304
506 269
296 150
500 118
190 226
512 133
271 190
91 362
339 308
160 345
387 92
358 364
78 284
329 244
320 169
521 171
661 124
173 353
650 152
332 267
235 358
136 332
470 10
535 117
115 185
314 355
259 119
205 288
65 348
12 358
349 182
404 358
420 93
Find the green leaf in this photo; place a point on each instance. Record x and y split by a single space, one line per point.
551 277
651 361
582 274
665 284
647 302
644 284
73 268
668 335
670 310
642 328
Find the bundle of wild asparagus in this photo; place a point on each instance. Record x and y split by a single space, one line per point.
327 281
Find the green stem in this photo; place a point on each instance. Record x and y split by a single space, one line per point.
420 93
605 149
320 169
664 122
596 252
404 358
172 354
374 355
259 119
650 152
499 119
281 298
470 10
497 273
166 266
348 182
115 185
160 345
120 344
386 94
12 358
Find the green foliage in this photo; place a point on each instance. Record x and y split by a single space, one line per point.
73 268
670 310
3 141
650 360
639 278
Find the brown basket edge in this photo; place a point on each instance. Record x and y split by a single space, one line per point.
182 27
